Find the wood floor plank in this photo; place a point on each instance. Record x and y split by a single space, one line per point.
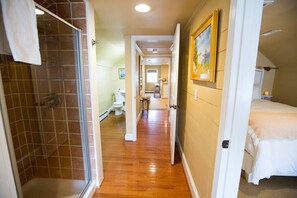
141 168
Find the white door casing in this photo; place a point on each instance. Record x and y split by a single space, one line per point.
130 45
173 90
10 186
242 47
91 35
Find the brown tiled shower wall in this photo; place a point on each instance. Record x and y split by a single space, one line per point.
61 146
18 93
73 11
47 141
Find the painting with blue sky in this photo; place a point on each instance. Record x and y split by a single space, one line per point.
122 73
203 49
202 53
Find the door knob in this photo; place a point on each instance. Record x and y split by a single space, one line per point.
173 106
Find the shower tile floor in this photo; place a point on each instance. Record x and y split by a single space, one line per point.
53 188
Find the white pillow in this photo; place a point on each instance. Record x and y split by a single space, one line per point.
256 93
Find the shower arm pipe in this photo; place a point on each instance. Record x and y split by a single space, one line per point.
55 16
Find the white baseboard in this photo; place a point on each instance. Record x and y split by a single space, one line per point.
103 115
138 117
130 137
91 190
189 176
110 109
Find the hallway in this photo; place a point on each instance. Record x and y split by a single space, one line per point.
141 168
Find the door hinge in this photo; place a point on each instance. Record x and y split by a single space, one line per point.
225 144
173 106
94 42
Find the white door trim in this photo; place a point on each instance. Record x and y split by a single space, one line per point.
90 19
10 186
131 93
242 47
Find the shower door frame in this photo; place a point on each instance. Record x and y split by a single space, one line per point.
82 114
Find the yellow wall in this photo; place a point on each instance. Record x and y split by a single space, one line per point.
199 120
285 83
151 86
117 83
108 83
164 72
104 84
268 79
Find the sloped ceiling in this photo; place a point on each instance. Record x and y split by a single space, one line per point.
280 47
110 49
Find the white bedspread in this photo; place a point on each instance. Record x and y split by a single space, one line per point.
276 156
268 106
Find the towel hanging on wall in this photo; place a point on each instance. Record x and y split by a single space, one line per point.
4 46
20 26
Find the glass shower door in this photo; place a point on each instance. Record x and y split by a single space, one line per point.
45 106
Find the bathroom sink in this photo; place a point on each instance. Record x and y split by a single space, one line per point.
123 93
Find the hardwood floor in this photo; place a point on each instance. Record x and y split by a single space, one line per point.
158 103
141 168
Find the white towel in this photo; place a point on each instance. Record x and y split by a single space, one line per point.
4 46
21 30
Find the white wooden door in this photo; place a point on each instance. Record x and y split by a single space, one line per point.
173 90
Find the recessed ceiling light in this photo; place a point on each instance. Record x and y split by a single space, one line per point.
142 8
270 32
38 11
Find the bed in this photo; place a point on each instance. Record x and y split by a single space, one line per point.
271 142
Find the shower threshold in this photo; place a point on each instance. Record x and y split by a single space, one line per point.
53 188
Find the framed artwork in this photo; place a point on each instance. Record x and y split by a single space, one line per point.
122 73
203 50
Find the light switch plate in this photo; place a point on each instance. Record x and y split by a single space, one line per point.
195 94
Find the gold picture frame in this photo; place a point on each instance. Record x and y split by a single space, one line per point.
122 73
203 51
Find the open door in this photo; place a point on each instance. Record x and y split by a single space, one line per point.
173 90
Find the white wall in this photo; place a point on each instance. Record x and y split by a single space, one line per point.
129 91
268 80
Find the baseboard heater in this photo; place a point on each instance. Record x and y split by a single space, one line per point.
103 115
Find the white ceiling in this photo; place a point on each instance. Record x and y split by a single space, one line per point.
116 18
280 47
162 19
162 47
156 61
